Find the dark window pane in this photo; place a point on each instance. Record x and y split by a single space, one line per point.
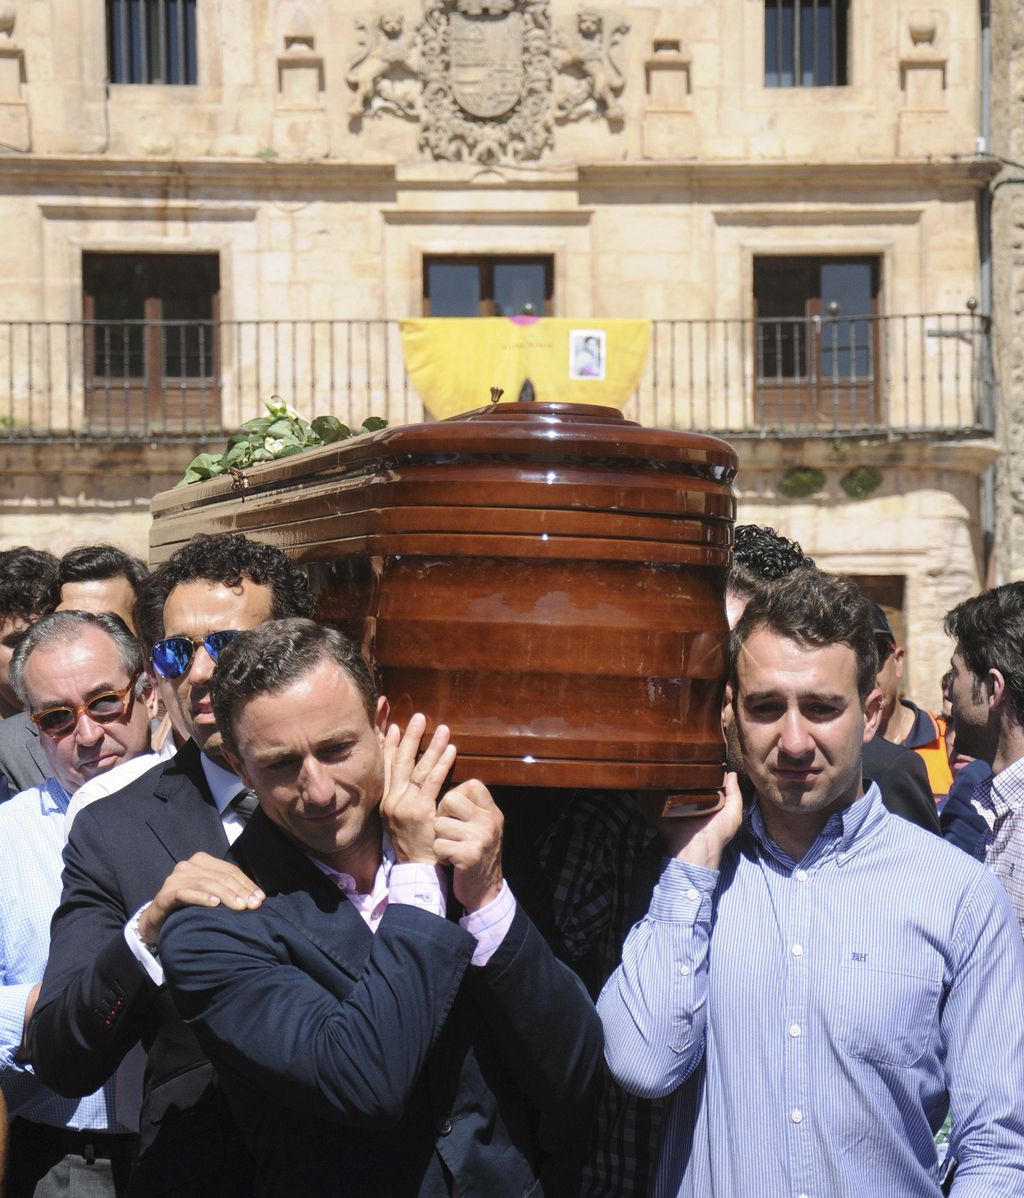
805 43
187 347
808 46
846 344
771 45
453 288
151 41
787 75
848 284
519 288
176 291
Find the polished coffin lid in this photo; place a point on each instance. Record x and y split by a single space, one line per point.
545 578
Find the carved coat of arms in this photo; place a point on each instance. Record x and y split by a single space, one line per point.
487 79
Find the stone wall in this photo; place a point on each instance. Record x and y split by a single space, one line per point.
328 148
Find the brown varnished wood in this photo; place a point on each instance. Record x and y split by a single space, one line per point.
547 579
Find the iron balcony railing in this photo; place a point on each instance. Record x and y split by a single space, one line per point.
917 375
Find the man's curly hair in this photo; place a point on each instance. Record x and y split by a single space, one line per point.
761 555
27 578
224 558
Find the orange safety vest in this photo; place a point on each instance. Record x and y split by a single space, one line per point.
935 758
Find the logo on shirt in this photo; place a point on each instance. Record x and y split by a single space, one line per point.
858 957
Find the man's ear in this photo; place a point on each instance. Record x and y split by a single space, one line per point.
381 720
899 657
995 689
872 713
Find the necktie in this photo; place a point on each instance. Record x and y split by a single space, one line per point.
245 803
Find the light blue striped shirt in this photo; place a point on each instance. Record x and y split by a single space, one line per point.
31 844
814 1020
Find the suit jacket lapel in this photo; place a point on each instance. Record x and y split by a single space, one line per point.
303 895
35 750
185 820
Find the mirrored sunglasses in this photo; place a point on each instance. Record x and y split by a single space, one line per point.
101 709
173 656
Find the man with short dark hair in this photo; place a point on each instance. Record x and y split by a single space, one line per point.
27 578
134 857
80 675
99 578
816 981
366 1041
985 689
26 583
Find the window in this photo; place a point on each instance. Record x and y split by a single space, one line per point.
151 340
151 41
487 286
806 43
817 335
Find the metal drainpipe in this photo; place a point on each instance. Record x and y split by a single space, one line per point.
988 480
984 147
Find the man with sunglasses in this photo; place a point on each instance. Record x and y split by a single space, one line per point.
80 677
155 846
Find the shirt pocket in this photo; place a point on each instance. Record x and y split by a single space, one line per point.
887 1016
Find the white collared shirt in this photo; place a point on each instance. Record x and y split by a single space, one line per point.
225 786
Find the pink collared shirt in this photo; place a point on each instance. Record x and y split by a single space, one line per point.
419 885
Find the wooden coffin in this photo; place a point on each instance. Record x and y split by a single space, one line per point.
545 578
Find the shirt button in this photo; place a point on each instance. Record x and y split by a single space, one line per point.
692 893
794 1030
801 875
843 856
797 950
446 1128
796 1114
684 970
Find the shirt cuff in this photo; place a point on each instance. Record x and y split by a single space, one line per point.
417 884
684 892
12 1024
490 924
142 953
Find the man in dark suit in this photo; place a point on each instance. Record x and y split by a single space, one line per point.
368 1044
139 854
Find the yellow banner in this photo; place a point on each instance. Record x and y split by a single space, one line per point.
453 362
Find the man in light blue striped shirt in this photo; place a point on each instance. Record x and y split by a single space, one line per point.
80 676
818 981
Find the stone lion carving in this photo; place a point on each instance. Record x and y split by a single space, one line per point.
595 80
383 75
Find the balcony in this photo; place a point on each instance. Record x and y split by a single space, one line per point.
923 375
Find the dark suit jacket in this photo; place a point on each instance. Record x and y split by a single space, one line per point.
22 760
97 1001
382 1065
903 780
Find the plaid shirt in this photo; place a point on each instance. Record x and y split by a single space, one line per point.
601 861
999 801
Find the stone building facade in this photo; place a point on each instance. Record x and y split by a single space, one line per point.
235 198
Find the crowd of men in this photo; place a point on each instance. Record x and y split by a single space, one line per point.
253 941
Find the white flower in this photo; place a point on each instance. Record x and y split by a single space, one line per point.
273 444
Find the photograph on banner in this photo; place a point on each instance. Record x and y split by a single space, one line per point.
586 353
